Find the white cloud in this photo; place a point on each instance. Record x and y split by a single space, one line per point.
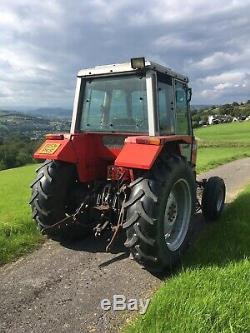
220 58
224 77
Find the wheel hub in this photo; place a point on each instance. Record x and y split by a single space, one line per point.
172 213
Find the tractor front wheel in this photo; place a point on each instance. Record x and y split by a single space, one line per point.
213 199
51 199
159 213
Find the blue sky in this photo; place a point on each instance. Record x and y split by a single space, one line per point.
44 43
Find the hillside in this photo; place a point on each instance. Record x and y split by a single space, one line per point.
21 134
56 113
34 127
221 114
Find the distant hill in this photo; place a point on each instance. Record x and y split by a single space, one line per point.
200 106
221 114
55 113
33 125
51 113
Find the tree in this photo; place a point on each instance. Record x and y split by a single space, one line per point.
16 151
2 165
235 104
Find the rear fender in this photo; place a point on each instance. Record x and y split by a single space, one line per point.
138 156
86 151
61 150
141 152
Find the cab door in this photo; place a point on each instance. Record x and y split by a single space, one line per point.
183 117
166 113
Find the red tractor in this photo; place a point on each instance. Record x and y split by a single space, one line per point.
128 164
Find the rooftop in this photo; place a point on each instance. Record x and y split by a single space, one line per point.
126 67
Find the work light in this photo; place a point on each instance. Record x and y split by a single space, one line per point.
138 63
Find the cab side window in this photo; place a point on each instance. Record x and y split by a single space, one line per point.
165 107
182 114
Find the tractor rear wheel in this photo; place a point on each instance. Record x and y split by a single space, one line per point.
51 199
159 213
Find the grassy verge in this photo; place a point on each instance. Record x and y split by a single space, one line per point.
18 234
211 291
211 157
220 144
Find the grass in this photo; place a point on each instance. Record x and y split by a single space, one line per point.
220 144
210 293
18 233
211 157
226 135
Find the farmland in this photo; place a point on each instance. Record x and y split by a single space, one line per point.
226 135
220 144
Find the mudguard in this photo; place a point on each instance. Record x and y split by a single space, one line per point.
138 156
86 151
62 150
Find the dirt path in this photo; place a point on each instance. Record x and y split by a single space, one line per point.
59 289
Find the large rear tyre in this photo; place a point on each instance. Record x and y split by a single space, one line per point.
51 199
159 214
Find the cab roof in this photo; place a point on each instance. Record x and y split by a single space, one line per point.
126 67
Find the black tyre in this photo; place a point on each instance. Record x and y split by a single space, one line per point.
213 199
159 213
51 199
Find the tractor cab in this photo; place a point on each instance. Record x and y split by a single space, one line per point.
139 97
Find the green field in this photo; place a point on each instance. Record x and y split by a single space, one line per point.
18 233
226 135
210 293
220 144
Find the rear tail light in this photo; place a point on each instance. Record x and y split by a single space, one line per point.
54 136
149 141
146 140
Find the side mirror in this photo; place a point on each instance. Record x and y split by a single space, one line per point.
189 94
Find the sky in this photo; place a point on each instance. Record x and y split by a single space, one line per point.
43 44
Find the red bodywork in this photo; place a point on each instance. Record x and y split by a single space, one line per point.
92 157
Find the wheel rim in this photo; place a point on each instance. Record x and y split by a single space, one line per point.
177 214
